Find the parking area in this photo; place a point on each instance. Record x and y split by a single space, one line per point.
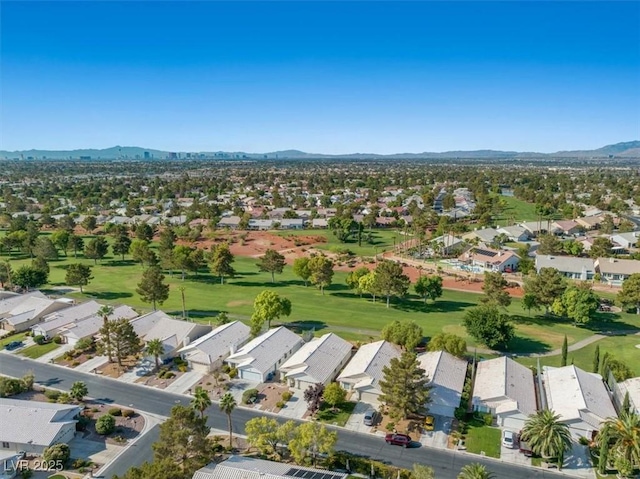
356 420
295 407
440 434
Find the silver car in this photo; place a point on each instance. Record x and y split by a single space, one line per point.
369 417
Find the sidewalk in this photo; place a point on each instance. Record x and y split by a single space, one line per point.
45 358
91 364
184 382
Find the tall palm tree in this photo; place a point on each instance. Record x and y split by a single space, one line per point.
201 401
156 349
475 471
106 311
623 433
227 405
546 435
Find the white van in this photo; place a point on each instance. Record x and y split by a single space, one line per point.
509 439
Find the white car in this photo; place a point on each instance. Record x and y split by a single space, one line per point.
509 439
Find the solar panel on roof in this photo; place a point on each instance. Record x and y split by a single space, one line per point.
306 474
485 252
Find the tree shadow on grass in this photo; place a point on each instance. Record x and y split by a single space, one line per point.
520 345
268 284
300 326
109 295
437 307
196 313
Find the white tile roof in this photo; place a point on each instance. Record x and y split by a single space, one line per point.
317 360
366 365
631 386
565 264
91 325
625 267
506 382
446 375
159 325
57 320
216 344
20 303
576 394
263 352
36 422
239 467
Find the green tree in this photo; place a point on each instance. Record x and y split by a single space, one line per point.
58 452
486 324
353 279
607 225
45 249
76 243
28 277
475 471
547 436
96 249
271 262
565 351
144 232
121 245
140 251
201 401
629 295
368 284
60 239
181 259
390 280
268 306
227 405
119 335
312 438
429 287
601 248
89 223
78 274
495 290
578 302
78 391
184 441
220 262
301 269
421 471
155 348
529 302
403 333
152 288
622 436
546 286
104 346
105 424
321 269
596 359
549 244
6 273
334 395
262 433
448 342
404 386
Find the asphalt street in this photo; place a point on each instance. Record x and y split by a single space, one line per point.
446 463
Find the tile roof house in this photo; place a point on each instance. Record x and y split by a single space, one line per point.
568 227
580 398
89 327
240 467
628 240
485 235
570 266
515 233
447 244
363 373
21 312
53 323
259 359
537 228
506 389
174 333
490 259
207 353
614 271
632 388
446 375
32 426
230 222
318 361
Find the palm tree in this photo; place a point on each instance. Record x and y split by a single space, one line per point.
156 349
475 471
78 391
623 433
106 311
227 405
201 401
546 435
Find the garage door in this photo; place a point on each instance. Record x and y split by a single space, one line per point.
199 367
369 398
512 424
249 375
440 410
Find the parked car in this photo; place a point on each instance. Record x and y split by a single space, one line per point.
429 422
398 439
369 417
508 439
13 345
524 447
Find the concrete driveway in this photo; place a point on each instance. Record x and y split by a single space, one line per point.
439 437
295 407
238 386
97 451
356 420
577 462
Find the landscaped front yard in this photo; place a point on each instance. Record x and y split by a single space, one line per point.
38 350
8 339
480 437
339 417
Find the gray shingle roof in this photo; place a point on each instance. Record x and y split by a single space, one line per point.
446 375
57 320
264 351
238 467
565 264
216 344
318 359
369 361
91 325
20 303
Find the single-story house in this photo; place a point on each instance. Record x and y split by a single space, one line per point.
242 467
446 375
569 266
292 223
22 312
259 359
363 373
537 228
589 222
230 222
615 271
491 259
260 225
632 388
319 223
485 235
628 240
447 244
53 323
89 327
318 361
32 426
175 334
207 353
580 399
506 389
568 227
515 233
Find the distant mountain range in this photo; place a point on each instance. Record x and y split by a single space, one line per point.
629 149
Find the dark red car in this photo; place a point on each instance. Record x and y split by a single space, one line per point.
398 439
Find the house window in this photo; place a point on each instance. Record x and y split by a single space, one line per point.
5 445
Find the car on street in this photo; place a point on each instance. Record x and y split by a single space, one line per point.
398 439
429 422
508 439
369 417
13 345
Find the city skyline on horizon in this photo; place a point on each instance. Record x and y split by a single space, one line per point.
326 78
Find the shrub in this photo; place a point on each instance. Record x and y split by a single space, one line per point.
391 426
57 339
10 387
115 411
487 418
280 404
57 452
52 395
286 395
64 398
83 422
583 441
233 372
94 409
26 473
182 368
249 396
78 463
28 380
105 424
169 375
226 368
39 339
84 344
128 412
75 363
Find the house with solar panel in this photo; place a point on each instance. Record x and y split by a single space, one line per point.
488 259
318 361
240 467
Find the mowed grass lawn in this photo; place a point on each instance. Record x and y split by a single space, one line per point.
38 350
517 210
481 438
381 240
8 339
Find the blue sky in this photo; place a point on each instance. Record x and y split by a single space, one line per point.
327 77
